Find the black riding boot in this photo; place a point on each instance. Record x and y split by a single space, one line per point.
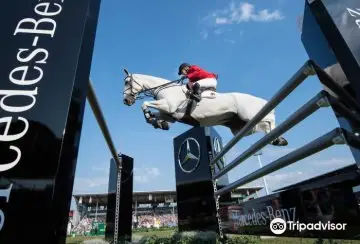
195 92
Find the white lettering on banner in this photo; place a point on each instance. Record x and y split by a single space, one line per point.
263 217
5 167
43 27
355 14
5 136
22 81
17 109
35 29
46 12
32 55
4 193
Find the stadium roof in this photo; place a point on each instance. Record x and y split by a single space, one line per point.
151 197
246 190
141 197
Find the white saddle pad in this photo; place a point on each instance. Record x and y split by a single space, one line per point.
208 94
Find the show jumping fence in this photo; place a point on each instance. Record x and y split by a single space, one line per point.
322 99
93 101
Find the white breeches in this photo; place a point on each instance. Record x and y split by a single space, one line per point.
208 82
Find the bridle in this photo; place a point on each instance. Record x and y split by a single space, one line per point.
150 92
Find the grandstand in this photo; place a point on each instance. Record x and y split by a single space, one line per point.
150 208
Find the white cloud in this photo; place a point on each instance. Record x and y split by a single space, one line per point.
333 162
145 175
279 180
94 184
100 184
230 41
276 151
299 171
311 168
204 34
221 21
243 12
101 169
91 185
141 179
222 30
218 31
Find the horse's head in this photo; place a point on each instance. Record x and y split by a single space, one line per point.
144 85
132 89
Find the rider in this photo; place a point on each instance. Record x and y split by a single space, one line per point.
199 79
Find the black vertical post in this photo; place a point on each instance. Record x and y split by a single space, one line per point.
46 52
330 34
196 205
216 145
120 194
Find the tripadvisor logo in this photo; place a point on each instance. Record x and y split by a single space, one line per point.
278 226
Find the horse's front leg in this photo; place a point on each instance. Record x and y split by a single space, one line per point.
158 120
162 120
163 116
160 105
147 113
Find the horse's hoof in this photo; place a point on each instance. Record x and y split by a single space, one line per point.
154 123
280 142
164 125
148 115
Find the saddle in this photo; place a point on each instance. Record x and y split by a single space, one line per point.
209 93
203 93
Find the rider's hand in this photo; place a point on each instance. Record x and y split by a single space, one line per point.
183 77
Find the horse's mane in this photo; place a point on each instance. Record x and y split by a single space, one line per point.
157 80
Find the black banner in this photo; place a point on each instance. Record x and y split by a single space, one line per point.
319 207
46 51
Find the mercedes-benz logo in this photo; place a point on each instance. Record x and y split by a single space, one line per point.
189 155
217 148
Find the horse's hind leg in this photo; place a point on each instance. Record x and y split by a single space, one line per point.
267 127
234 123
262 126
234 131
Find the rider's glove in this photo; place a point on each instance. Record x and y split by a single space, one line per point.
183 78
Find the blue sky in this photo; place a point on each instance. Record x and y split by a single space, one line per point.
254 47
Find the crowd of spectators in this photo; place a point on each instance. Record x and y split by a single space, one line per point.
154 220
85 225
148 220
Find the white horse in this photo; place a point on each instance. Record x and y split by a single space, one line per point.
232 110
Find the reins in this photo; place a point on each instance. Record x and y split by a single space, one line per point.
150 92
